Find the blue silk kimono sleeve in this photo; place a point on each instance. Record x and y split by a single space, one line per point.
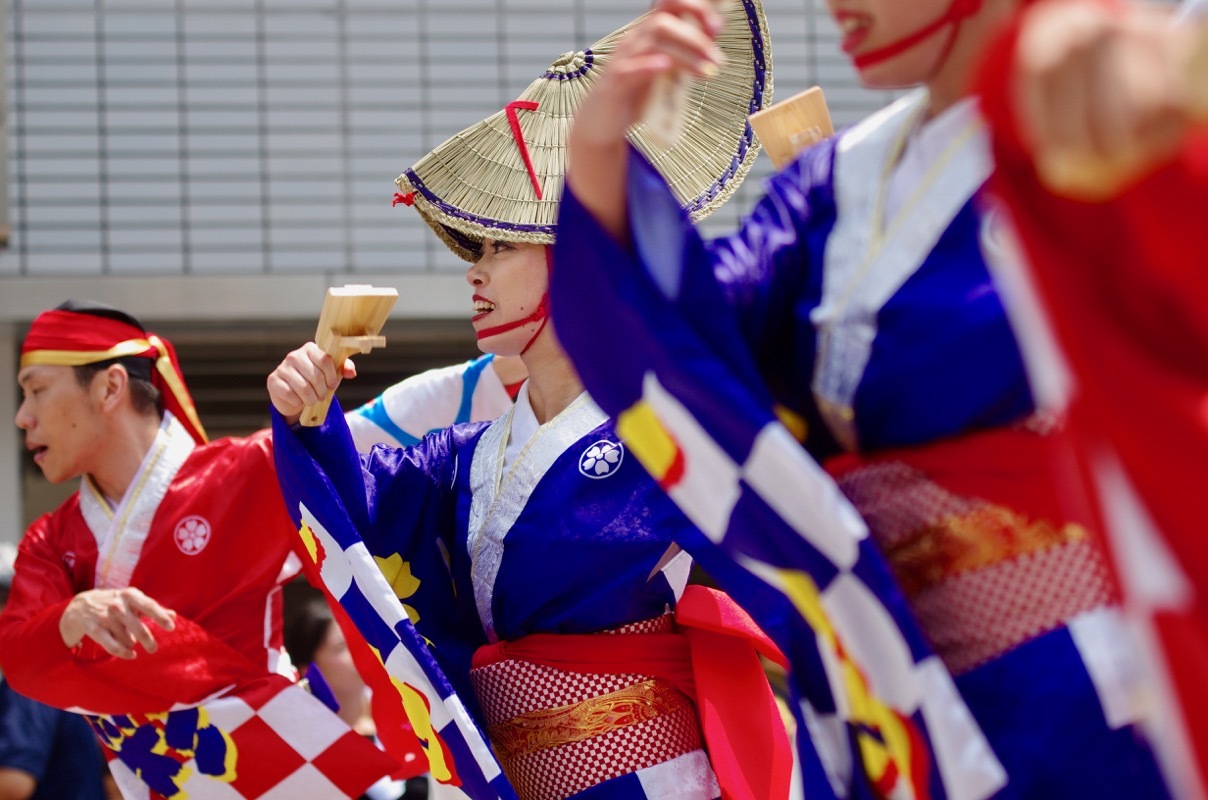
765 265
766 271
391 494
403 502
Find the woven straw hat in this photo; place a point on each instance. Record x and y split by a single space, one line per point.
502 178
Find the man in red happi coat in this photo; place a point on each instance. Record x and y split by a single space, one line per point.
156 586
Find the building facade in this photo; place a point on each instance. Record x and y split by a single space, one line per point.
213 165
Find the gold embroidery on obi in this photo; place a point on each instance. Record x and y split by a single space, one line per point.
543 729
960 543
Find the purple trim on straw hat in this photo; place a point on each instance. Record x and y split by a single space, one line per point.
758 86
589 61
464 241
454 211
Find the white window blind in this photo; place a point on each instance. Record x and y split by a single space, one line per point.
236 137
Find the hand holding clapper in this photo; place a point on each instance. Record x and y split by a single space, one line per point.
350 322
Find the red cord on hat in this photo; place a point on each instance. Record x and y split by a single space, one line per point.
514 122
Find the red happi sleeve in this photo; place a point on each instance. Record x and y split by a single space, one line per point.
1124 284
188 666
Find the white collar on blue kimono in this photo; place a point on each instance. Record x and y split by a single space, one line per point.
121 531
926 144
870 254
524 425
511 458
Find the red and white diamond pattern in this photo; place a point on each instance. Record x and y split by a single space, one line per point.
510 688
289 745
897 501
520 687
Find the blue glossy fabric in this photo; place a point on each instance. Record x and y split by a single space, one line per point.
674 338
944 360
1043 688
578 559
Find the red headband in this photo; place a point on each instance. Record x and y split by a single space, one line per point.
73 339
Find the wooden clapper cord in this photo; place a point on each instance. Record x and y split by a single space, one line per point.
350 322
788 127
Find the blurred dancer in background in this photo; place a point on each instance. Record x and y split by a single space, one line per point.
860 289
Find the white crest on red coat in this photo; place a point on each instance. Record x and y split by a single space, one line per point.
192 535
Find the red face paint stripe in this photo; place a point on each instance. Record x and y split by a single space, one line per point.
540 312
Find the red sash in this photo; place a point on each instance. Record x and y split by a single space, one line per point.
1015 468
714 661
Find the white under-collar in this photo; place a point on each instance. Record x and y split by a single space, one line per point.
927 141
870 253
121 531
524 425
500 490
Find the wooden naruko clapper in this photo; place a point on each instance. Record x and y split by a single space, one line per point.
350 322
788 127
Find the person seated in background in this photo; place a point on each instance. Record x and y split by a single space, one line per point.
475 391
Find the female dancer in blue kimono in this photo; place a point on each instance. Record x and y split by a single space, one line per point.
860 285
561 549
549 529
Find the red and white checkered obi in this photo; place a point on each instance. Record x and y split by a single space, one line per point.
567 712
557 733
979 539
